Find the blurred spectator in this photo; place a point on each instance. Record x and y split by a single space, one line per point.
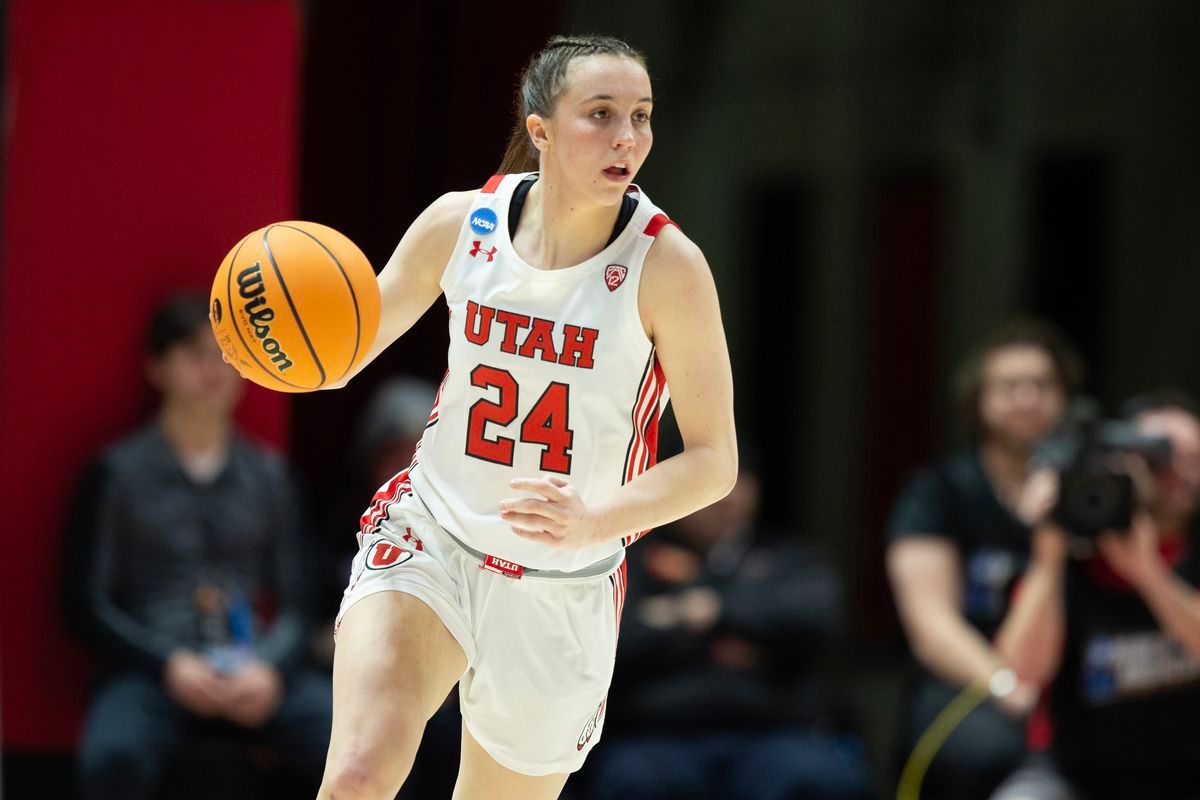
1113 625
717 692
958 542
184 575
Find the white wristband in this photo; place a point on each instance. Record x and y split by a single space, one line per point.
1003 682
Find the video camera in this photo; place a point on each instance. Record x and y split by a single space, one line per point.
1095 493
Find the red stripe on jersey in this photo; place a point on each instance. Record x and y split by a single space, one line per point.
657 222
643 450
637 418
437 400
492 184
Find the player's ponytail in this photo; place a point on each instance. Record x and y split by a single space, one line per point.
542 83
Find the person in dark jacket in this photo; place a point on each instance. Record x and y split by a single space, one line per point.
718 692
185 576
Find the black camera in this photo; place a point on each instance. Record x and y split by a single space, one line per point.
1095 493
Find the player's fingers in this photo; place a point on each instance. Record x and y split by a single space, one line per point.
537 522
530 505
559 481
534 535
539 486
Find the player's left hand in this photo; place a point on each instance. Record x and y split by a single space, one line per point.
558 517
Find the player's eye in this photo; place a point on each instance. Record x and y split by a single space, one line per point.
600 113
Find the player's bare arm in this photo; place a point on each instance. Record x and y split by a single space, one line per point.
409 282
679 308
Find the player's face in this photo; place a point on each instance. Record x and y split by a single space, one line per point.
1179 484
600 133
1022 397
193 372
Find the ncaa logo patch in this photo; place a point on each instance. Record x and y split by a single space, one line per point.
614 276
385 555
483 221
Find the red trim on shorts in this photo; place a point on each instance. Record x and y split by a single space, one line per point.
383 499
493 183
620 583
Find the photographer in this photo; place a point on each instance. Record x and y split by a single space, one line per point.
1111 622
957 544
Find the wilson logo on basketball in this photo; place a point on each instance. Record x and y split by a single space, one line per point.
384 555
478 249
260 315
614 276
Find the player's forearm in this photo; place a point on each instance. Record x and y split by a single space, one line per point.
672 489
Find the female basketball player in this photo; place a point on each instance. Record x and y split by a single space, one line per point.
496 559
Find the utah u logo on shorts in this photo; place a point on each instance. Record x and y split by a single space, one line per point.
384 555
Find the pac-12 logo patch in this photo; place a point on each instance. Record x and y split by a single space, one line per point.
483 221
614 276
384 555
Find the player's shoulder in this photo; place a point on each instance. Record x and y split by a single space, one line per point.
449 210
674 253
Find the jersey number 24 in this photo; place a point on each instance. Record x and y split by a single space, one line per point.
545 424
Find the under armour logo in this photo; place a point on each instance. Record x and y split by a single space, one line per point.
614 276
411 538
478 248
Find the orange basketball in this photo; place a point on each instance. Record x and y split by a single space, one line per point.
295 306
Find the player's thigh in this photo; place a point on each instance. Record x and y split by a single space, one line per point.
481 777
394 664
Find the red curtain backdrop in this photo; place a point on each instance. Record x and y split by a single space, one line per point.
143 138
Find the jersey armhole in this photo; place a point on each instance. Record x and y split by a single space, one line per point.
452 274
650 230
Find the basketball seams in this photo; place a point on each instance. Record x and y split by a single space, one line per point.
353 297
295 314
233 322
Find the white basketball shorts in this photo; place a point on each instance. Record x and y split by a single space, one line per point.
540 648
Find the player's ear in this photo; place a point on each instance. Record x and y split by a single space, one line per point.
539 131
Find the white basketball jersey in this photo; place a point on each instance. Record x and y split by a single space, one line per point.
550 372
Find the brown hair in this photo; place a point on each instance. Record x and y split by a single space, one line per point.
543 81
1027 332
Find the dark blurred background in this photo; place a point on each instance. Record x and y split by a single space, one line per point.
876 185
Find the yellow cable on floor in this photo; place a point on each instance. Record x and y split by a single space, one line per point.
911 777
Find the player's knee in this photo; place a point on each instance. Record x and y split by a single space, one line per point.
361 777
355 782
